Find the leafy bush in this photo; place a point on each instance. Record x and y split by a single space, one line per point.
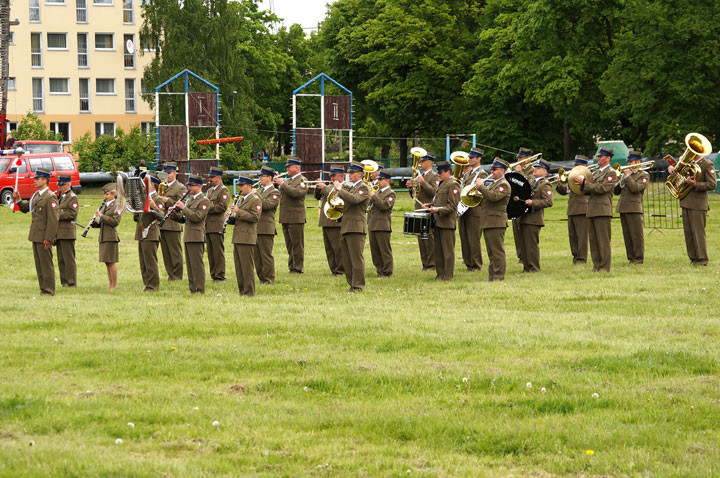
31 127
114 153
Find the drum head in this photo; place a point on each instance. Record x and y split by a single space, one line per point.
520 190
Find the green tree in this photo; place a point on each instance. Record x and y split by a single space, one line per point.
31 126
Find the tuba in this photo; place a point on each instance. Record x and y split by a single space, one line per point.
369 167
698 147
133 193
417 154
460 159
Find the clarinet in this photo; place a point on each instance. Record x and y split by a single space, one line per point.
228 216
171 209
87 229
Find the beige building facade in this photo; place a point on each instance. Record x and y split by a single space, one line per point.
77 65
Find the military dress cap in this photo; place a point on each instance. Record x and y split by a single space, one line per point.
476 152
267 171
499 163
634 155
110 188
215 171
605 152
444 166
336 170
293 161
384 175
524 152
542 163
581 160
153 178
429 157
64 179
170 166
43 173
194 179
356 167
244 180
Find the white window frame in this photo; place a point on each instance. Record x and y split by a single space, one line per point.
102 128
112 35
126 54
40 53
41 97
78 9
62 93
11 126
12 83
99 93
55 130
55 2
54 48
12 38
132 97
89 108
30 11
87 50
131 10
103 3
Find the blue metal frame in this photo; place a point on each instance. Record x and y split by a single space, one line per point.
447 145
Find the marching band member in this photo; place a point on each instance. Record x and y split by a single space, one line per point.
330 227
353 227
527 171
577 218
219 197
599 211
108 220
493 218
427 186
292 214
444 209
263 250
631 187
380 225
469 222
245 216
44 208
65 240
531 222
194 211
148 245
170 242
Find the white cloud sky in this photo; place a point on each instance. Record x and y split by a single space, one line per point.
305 12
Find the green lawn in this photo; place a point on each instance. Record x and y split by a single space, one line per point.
565 372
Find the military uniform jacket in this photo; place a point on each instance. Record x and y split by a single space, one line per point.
246 220
109 219
68 205
698 196
292 200
356 197
427 189
494 205
173 193
45 213
322 195
542 197
380 214
577 204
601 191
195 212
631 195
446 200
218 198
270 198
469 178
144 219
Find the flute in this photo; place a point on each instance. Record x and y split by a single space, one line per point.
227 218
87 229
171 209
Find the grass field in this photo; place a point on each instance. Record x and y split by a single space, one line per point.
560 373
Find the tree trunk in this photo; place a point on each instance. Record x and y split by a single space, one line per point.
385 151
566 141
403 152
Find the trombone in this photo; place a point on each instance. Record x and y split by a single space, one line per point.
644 166
523 161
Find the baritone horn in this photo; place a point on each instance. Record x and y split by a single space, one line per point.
460 159
417 154
698 147
370 167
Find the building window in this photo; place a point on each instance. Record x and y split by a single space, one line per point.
104 128
59 86
130 96
36 50
81 13
104 41
84 95
11 126
57 41
35 11
105 86
11 84
147 127
102 2
128 16
83 58
61 128
54 2
38 99
12 38
129 45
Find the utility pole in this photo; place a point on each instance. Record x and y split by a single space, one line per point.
5 24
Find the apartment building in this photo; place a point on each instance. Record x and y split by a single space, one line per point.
77 65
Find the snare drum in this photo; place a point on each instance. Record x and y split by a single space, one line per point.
418 224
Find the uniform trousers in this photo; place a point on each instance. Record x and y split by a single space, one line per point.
495 245
578 234
694 228
530 247
444 253
244 268
470 241
517 239
263 258
633 234
427 251
600 251
381 252
66 262
294 235
194 253
333 249
44 267
216 255
147 252
353 244
172 253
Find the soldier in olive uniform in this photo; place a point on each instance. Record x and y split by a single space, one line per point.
147 233
263 251
427 182
194 212
694 211
245 216
292 214
353 227
170 231
380 225
218 195
469 221
108 219
45 212
599 210
444 208
65 240
577 218
496 195
527 171
330 227
631 187
531 222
